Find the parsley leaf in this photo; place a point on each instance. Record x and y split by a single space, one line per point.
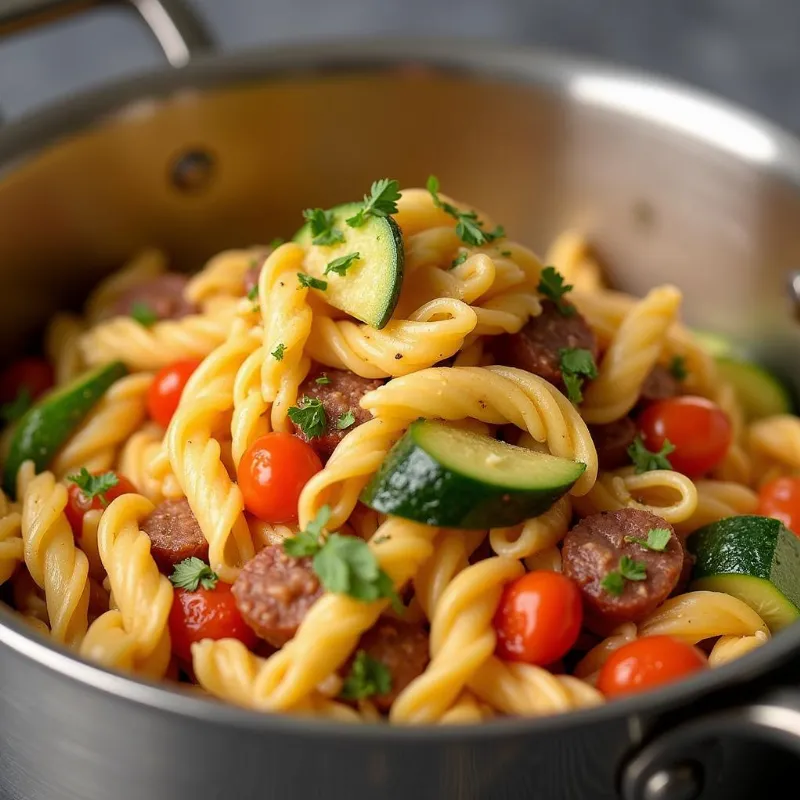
632 570
321 224
253 293
323 380
576 364
143 314
307 542
459 259
342 264
191 573
678 368
468 227
309 416
345 421
613 583
16 409
311 282
278 352
276 242
552 286
645 460
380 202
367 677
505 253
657 539
94 485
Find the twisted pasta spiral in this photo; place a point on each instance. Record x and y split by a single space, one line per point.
224 274
136 459
535 535
12 550
571 255
62 346
717 500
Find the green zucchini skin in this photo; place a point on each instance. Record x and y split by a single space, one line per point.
417 484
754 558
760 393
48 424
370 290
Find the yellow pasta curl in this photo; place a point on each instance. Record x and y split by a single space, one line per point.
249 419
12 549
54 562
224 274
634 351
29 601
571 255
62 346
136 459
776 440
717 500
135 635
535 535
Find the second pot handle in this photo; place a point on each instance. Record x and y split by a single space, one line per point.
663 769
180 33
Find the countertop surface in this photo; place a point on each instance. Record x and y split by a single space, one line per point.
744 50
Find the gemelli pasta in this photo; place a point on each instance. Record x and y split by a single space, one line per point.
396 470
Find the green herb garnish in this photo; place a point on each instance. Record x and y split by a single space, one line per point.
143 314
321 224
342 264
380 202
552 286
367 677
657 539
191 573
311 282
345 421
576 364
645 460
468 227
92 486
309 416
278 352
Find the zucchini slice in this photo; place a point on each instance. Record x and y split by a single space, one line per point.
759 392
453 478
48 424
756 559
370 288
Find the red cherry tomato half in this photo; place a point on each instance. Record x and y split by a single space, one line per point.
166 389
33 374
273 472
78 503
538 619
648 663
206 614
699 430
780 498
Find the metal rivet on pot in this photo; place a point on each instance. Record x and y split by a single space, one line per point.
794 292
679 782
644 215
192 171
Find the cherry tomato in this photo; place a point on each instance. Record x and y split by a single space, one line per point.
206 614
166 389
538 619
648 663
699 430
273 472
78 503
33 374
780 498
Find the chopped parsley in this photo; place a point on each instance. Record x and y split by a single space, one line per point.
16 409
278 352
253 293
367 677
92 486
645 460
657 539
552 286
576 364
468 227
321 224
342 264
322 380
628 570
459 259
380 202
345 421
276 242
505 253
311 282
309 416
191 573
678 368
344 564
143 314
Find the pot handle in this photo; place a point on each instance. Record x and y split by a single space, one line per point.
663 769
180 33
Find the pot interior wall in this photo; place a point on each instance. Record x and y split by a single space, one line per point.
660 205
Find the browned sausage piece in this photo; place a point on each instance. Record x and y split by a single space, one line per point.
174 534
660 384
535 348
402 648
163 296
594 548
612 442
341 393
274 592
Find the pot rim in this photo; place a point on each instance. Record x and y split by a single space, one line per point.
670 105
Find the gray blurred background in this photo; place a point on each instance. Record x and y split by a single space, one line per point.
745 50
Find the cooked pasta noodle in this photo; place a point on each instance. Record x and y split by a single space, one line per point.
137 458
11 546
571 255
224 274
534 536
62 346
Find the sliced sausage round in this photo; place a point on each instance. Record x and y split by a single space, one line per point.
536 347
660 384
595 547
274 592
340 392
612 442
163 296
402 648
174 534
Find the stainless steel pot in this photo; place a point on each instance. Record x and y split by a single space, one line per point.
670 184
